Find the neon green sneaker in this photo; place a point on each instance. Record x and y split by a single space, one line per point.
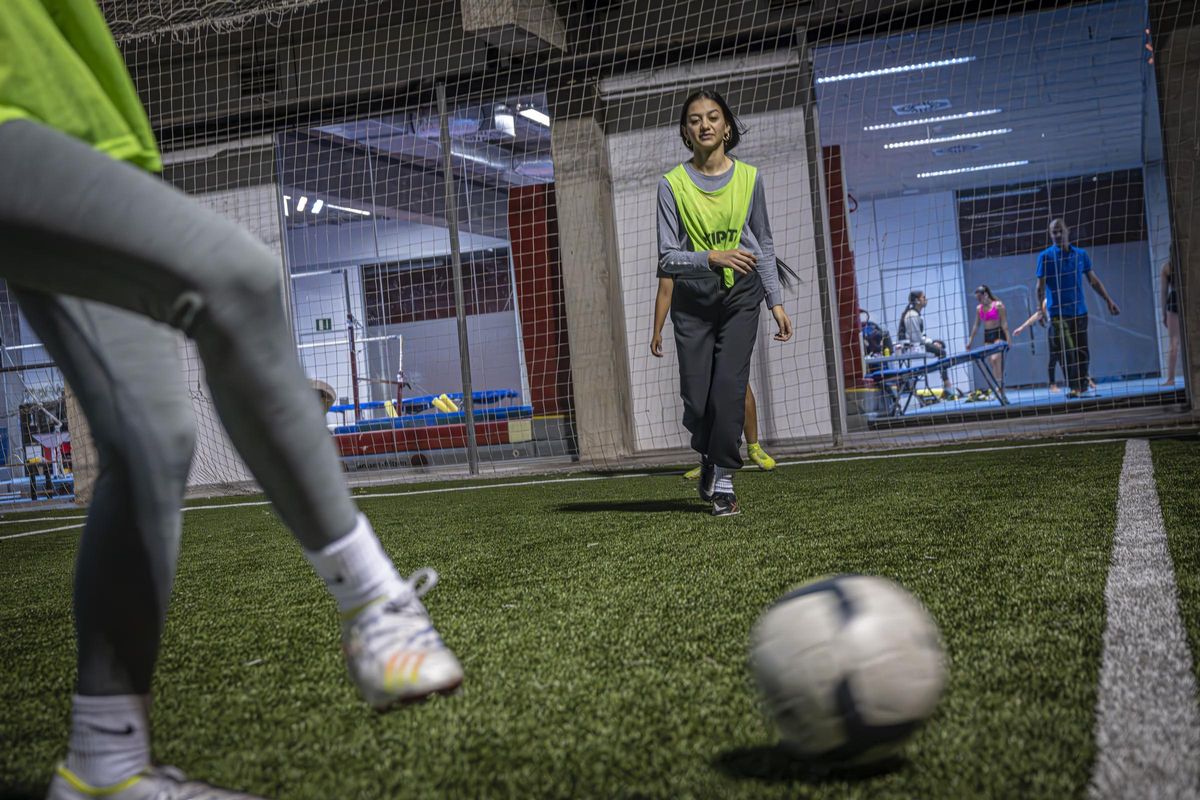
692 474
760 457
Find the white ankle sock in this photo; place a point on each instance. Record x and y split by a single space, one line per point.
724 480
110 737
355 568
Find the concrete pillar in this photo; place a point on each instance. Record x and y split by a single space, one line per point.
591 282
1177 67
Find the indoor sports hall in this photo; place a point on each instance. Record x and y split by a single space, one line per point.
464 203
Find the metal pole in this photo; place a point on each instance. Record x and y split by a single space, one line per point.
284 245
460 310
352 344
826 285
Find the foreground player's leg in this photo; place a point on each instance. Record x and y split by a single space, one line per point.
750 431
157 252
125 371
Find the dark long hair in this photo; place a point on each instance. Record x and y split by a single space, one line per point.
736 129
902 334
912 303
983 287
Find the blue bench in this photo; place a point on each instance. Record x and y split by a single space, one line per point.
412 405
898 383
426 420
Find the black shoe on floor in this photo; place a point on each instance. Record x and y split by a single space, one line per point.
725 505
708 480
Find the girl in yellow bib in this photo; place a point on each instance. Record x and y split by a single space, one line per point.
109 264
715 244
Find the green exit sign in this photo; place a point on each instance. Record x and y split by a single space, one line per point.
324 324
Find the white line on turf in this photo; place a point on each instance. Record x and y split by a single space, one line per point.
35 533
1147 720
926 453
446 489
29 520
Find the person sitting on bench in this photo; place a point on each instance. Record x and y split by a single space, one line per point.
912 331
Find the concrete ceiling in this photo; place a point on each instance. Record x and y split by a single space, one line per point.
1072 85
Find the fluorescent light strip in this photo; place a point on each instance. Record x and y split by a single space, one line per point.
349 210
318 204
536 116
303 202
883 126
979 168
872 73
958 137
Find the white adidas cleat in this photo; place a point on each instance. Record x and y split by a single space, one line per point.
394 653
152 783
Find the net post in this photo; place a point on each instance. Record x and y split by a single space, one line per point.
835 377
460 311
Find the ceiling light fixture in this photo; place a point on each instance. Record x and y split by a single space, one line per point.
350 210
874 73
958 137
534 115
978 168
505 122
883 126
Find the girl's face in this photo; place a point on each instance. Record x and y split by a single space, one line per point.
921 302
706 125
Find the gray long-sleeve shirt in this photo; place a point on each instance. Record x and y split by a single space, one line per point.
676 255
913 326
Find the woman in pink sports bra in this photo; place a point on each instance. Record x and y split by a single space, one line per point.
992 314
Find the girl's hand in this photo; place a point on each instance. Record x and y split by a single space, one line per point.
656 345
740 261
784 322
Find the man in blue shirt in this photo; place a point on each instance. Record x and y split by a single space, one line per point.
1061 269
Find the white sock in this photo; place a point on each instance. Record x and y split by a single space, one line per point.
724 480
110 737
355 568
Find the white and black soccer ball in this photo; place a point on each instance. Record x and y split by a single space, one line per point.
849 667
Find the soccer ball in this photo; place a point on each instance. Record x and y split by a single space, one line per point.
849 667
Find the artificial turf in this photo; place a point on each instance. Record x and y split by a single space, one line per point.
603 626
1176 471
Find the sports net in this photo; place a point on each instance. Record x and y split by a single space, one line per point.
464 198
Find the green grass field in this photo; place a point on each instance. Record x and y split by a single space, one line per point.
604 624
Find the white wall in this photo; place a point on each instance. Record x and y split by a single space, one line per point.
429 348
325 355
907 243
431 361
789 380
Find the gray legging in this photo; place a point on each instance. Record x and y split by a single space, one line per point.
103 257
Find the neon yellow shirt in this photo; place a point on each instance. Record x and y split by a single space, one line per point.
59 66
714 220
